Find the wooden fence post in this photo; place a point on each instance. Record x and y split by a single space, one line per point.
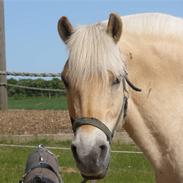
3 80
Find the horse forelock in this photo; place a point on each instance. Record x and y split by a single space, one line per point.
93 54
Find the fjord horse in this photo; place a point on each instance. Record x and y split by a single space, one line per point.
106 62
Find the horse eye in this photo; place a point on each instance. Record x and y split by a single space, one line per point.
116 81
65 82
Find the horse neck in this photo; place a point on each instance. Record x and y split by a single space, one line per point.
159 74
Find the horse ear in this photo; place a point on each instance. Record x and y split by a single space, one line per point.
114 27
65 28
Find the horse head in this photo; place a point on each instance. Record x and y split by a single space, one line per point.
94 76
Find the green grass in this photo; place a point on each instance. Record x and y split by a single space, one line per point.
38 103
124 168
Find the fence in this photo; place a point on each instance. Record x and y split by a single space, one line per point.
63 148
4 85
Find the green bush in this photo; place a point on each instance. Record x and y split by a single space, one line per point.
55 83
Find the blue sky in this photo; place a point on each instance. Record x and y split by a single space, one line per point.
32 41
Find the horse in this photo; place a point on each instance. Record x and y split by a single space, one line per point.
128 71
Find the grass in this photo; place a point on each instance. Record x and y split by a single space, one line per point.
38 103
124 168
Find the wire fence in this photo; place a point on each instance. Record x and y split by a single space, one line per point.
30 74
64 148
34 88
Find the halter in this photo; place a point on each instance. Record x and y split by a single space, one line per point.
43 155
98 124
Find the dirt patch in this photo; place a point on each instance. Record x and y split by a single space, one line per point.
69 170
23 122
27 125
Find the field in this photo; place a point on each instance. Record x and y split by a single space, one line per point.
38 103
124 168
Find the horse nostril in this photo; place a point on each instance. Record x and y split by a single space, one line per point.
103 147
74 151
37 179
103 152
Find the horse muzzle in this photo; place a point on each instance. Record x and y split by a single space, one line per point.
94 165
91 151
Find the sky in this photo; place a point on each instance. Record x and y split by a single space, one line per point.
32 41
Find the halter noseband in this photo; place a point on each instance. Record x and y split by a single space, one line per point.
98 124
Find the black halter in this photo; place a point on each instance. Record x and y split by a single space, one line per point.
98 124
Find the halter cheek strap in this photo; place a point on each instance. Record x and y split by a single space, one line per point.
122 114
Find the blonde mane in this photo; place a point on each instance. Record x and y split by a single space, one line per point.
156 24
93 54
